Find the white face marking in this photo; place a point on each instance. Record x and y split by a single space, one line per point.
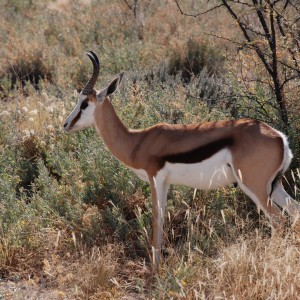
82 115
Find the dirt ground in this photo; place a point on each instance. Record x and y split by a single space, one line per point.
29 290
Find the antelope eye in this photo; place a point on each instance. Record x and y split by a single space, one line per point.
84 105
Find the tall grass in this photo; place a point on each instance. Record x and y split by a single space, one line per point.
73 219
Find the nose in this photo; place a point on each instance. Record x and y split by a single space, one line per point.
66 124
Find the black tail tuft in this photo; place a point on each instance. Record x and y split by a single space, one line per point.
275 181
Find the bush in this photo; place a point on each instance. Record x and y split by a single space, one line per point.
75 220
25 71
195 57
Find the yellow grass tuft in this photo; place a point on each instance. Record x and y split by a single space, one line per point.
255 267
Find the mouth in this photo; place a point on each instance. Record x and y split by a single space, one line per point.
67 127
71 129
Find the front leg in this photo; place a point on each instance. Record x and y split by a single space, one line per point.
159 191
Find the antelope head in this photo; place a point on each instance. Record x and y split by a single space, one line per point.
82 116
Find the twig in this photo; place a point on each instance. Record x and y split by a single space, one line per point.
197 14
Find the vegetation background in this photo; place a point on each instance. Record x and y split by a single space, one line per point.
74 222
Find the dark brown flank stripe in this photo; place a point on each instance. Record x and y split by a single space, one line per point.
75 119
199 154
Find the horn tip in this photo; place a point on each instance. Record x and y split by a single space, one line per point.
93 57
121 75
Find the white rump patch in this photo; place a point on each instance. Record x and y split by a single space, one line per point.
287 156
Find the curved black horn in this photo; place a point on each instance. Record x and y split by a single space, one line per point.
90 84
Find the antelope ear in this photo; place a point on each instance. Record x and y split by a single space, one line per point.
111 88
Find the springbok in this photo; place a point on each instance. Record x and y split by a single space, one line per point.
205 156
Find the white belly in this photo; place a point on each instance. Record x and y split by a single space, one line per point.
211 173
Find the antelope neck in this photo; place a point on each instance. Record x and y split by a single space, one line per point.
116 136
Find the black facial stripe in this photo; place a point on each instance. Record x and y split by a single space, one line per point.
199 154
75 119
84 104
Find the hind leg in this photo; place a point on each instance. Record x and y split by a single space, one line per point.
288 204
263 202
257 190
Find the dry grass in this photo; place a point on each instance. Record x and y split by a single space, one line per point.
228 261
60 263
77 225
254 267
257 268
